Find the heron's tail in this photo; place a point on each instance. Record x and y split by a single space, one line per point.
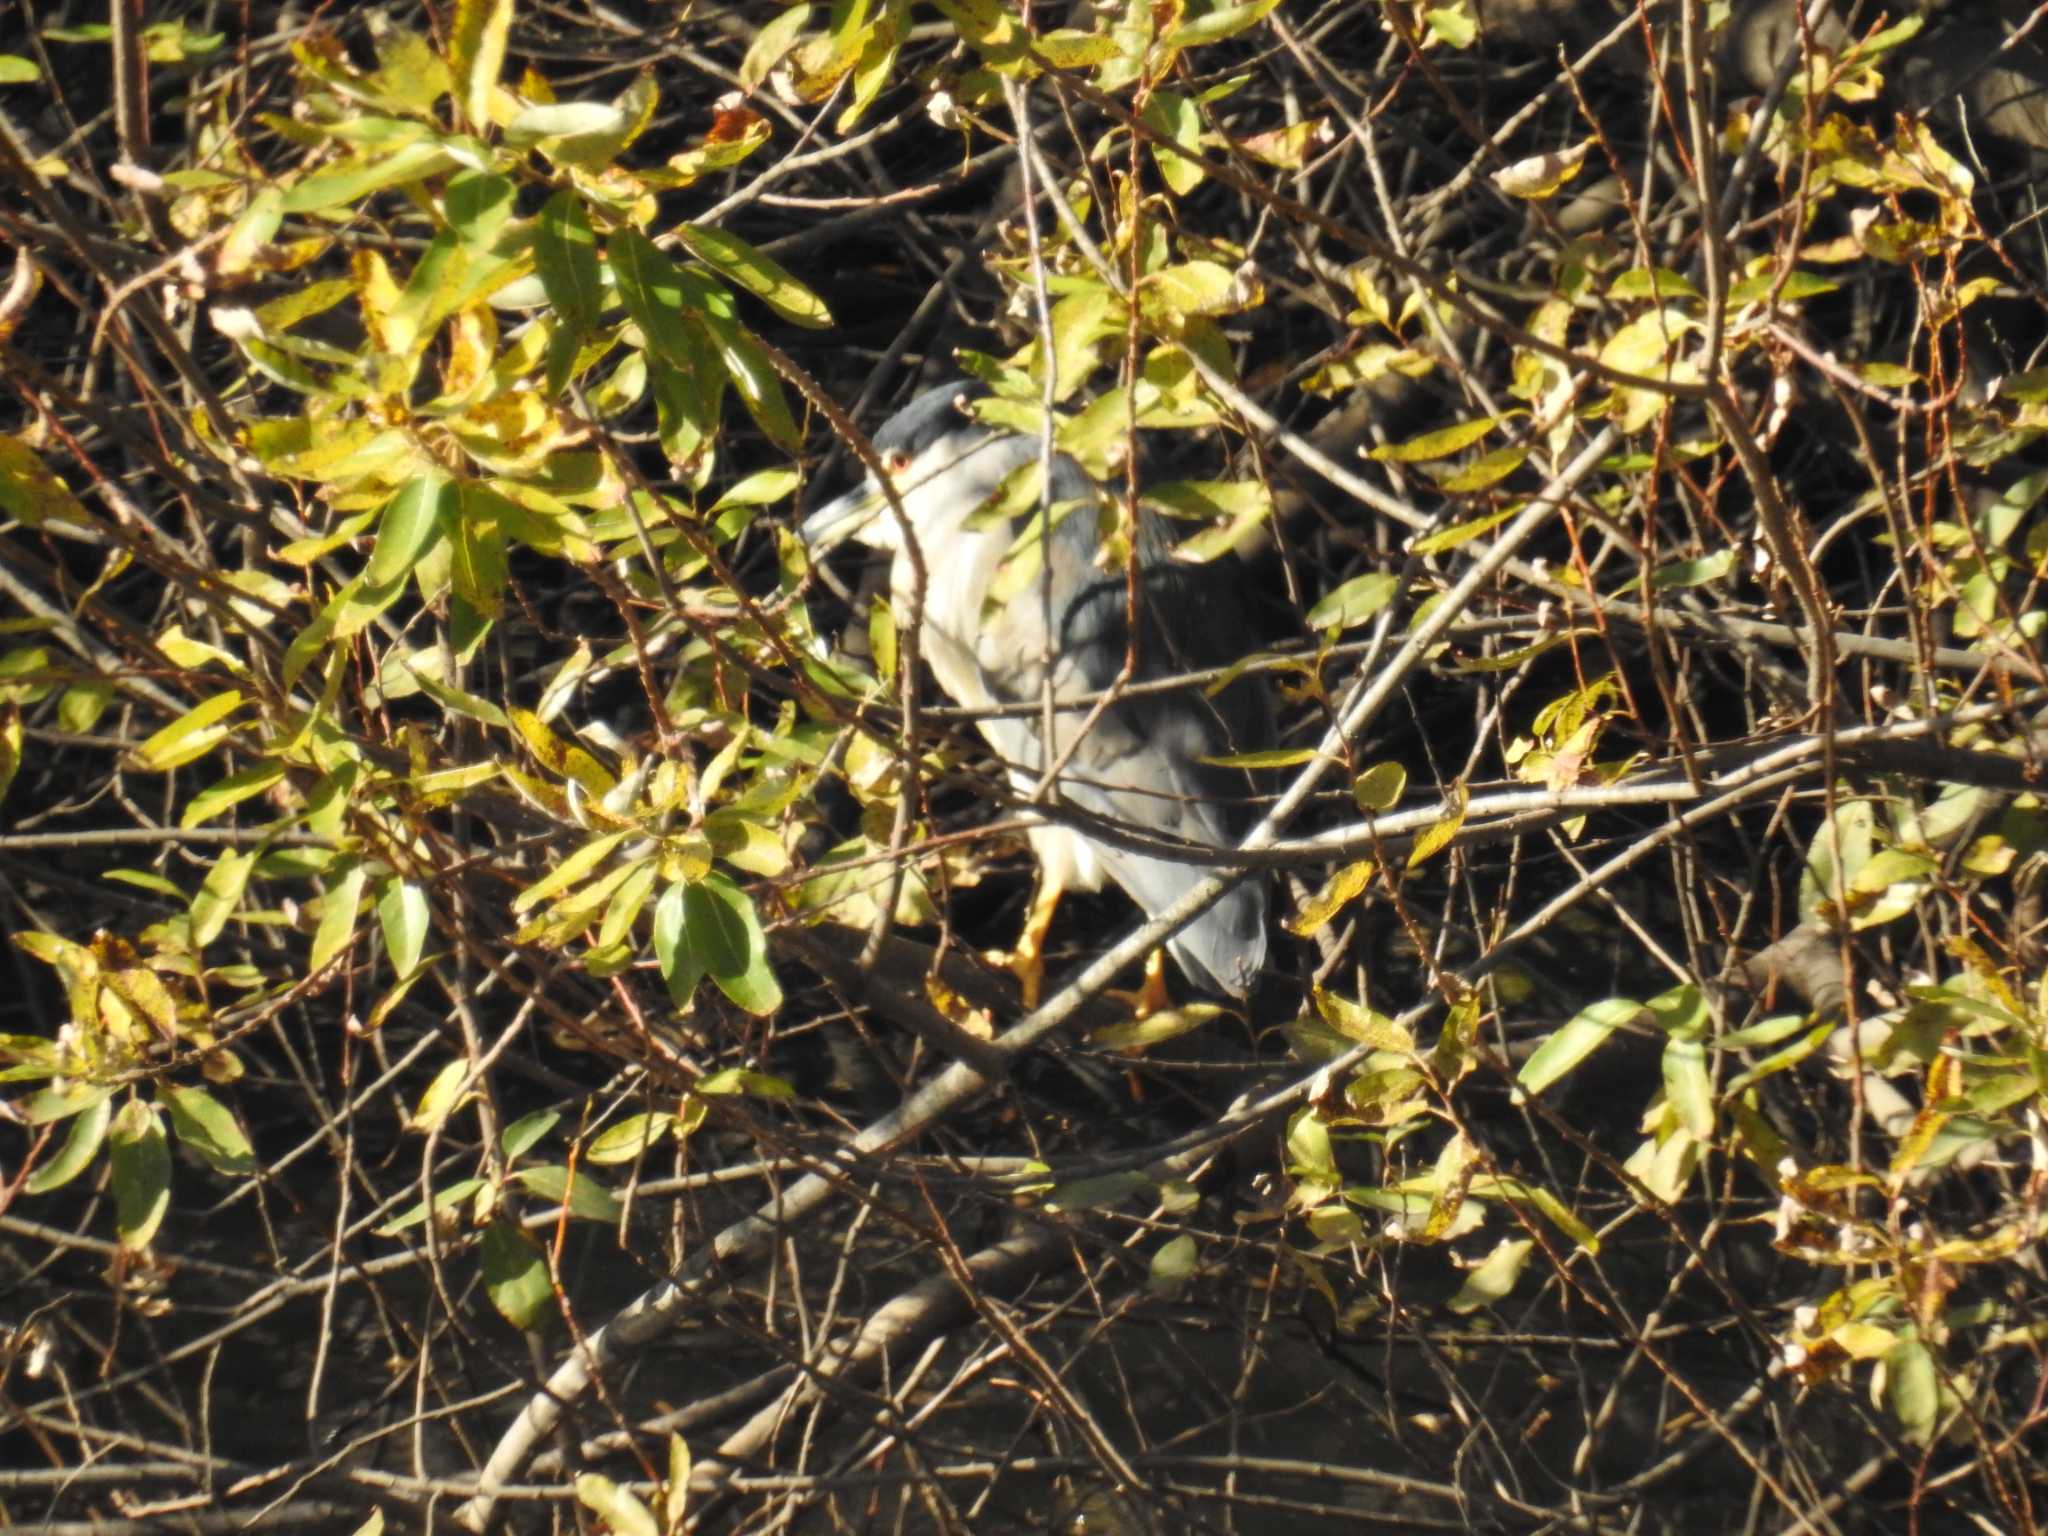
1225 948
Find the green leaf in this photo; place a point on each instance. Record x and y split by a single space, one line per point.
49 1105
228 792
403 914
739 1080
1154 1028
1174 117
1070 48
1692 573
403 531
1440 833
220 895
565 252
1495 1275
1836 856
476 52
762 488
571 870
756 273
146 881
206 1126
681 967
1767 1032
478 568
15 70
726 935
1652 283
456 702
337 927
753 375
80 706
1355 601
81 1145
31 492
1366 1026
620 1510
1580 1036
629 1138
516 1276
519 1137
1173 1266
1552 1209
1316 912
349 185
651 288
1310 1154
478 204
624 908
1272 757
770 43
1482 473
192 735
1798 285
717 934
1912 1389
1095 1194
1452 25
1380 787
141 1157
1461 533
675 1493
563 120
1440 444
451 1088
440 1200
12 735
1688 1086
1219 24
583 1196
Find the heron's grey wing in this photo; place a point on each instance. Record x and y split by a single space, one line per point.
1141 763
1140 767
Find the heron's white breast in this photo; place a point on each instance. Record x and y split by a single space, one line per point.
958 572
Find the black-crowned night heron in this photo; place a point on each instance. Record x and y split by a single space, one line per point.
1139 761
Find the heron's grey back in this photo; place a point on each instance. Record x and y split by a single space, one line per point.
1141 762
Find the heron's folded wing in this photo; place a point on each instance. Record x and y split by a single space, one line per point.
1141 767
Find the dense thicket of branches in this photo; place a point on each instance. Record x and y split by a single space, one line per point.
499 1033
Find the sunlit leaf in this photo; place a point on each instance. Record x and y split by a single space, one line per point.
192 735
1571 1043
516 1276
476 52
402 532
338 911
403 914
206 1126
621 1511
1495 1276
220 894
1355 601
565 252
141 1158
756 273
82 1143
583 1196
1173 1266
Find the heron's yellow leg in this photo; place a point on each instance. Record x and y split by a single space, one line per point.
1152 997
1027 961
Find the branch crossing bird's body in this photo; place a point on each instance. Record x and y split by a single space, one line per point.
1138 762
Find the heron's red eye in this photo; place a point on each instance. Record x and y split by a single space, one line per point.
896 461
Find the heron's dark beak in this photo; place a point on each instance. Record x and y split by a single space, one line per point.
839 520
